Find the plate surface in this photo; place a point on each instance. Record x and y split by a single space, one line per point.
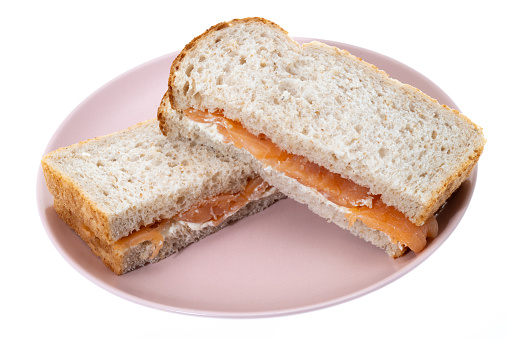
281 261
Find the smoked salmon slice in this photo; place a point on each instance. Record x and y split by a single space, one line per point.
213 210
361 205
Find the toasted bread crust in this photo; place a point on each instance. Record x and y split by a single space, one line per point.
161 111
450 186
70 194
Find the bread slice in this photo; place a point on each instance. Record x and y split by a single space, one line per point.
111 186
331 107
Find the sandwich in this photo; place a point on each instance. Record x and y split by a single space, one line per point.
363 150
135 197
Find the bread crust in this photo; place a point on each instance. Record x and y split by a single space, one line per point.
450 186
66 190
161 111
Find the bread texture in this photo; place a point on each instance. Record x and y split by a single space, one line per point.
109 187
331 107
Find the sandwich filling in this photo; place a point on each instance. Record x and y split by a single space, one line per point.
209 212
356 200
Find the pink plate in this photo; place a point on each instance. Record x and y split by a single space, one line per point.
281 261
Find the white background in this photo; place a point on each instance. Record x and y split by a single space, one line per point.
56 53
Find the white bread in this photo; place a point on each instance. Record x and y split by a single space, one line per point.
109 187
330 107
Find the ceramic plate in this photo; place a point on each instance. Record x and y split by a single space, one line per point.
281 261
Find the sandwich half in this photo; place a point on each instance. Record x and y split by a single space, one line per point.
373 155
135 197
